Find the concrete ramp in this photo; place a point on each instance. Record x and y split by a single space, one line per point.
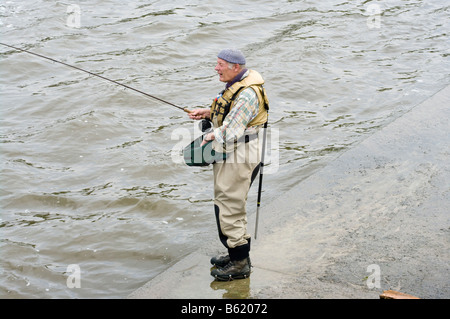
376 218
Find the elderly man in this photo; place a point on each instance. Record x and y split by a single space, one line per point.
237 114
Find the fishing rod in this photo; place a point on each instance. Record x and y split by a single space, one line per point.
97 75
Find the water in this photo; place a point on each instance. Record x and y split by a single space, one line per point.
88 176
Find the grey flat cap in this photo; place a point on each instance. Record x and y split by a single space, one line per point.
232 56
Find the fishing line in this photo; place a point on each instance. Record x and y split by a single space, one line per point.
97 75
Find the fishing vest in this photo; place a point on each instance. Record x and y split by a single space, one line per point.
223 104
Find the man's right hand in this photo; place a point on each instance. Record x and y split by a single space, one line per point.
199 114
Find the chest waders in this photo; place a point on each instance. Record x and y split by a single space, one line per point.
234 175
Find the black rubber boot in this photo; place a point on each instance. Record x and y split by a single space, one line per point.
235 269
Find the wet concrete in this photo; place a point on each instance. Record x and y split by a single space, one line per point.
376 218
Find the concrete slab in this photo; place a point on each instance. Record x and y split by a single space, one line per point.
376 218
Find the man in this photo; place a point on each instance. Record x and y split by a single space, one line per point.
237 114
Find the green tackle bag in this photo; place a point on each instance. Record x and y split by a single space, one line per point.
196 155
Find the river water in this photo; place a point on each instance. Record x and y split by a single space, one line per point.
91 179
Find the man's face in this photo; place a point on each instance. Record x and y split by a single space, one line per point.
226 74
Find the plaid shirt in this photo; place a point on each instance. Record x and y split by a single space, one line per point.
235 123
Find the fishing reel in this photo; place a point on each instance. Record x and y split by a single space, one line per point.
205 126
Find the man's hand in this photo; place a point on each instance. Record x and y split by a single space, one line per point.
199 114
208 138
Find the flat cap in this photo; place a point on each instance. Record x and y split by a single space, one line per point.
232 56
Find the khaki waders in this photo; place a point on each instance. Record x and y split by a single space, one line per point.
234 176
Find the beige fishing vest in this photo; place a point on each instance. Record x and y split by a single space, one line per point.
223 104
